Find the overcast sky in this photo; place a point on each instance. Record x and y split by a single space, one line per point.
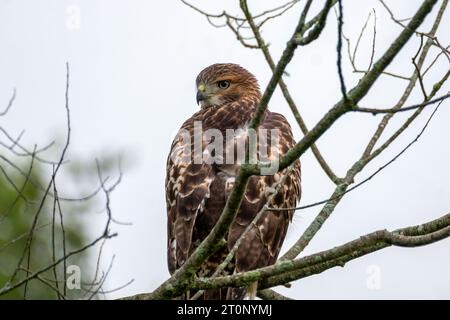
133 66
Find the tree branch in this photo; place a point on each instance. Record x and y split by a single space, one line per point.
176 284
339 51
268 294
284 89
412 81
10 103
182 278
413 236
375 111
286 271
355 94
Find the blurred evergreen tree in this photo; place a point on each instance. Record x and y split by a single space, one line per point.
17 213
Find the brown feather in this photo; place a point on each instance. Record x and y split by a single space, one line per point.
196 193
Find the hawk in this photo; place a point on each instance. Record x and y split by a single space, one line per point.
198 182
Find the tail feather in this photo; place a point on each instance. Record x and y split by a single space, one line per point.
251 290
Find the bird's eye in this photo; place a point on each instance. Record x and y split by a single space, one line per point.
223 84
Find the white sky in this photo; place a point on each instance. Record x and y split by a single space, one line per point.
133 66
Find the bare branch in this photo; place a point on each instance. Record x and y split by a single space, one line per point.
286 271
181 278
22 236
354 95
28 244
363 162
422 86
20 194
436 230
374 37
339 51
412 81
284 89
340 190
26 152
214 240
375 111
10 287
339 256
358 166
268 294
398 21
10 103
249 227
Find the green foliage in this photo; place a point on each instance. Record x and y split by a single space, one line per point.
17 213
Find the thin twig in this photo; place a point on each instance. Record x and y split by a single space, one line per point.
370 176
284 88
375 111
10 103
339 51
250 226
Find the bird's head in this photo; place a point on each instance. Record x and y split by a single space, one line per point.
223 83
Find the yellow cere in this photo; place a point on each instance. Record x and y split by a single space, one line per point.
201 87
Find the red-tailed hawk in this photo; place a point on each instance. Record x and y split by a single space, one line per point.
199 177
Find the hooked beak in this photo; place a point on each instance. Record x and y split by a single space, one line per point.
200 97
